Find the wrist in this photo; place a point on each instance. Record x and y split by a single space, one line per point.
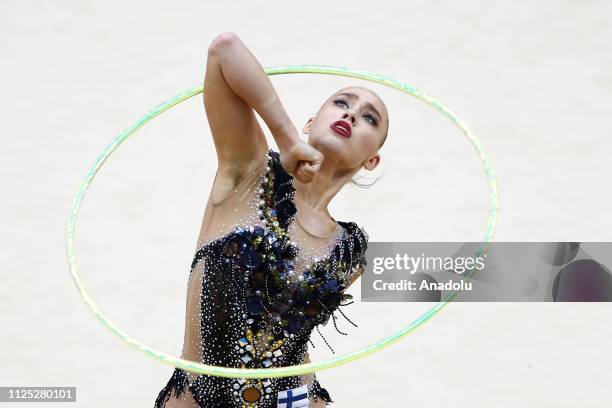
285 136
277 120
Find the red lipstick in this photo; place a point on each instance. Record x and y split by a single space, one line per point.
342 128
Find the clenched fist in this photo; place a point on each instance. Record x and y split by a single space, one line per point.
301 160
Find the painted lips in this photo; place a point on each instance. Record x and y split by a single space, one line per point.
342 128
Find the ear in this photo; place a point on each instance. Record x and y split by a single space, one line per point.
306 129
372 162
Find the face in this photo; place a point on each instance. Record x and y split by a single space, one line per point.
349 128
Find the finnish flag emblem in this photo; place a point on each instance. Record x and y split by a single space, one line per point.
293 398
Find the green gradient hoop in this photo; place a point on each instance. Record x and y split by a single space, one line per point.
288 370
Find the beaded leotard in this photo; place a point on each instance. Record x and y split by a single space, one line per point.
258 286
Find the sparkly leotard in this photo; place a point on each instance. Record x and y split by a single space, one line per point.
259 285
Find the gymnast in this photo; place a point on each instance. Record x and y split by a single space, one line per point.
271 264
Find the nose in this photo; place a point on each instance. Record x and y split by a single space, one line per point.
351 114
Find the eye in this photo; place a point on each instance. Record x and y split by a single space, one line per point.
370 119
341 102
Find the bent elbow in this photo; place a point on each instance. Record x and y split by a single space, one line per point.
222 41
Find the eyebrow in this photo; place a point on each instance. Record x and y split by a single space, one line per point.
367 104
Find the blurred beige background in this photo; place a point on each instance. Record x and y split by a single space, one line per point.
532 80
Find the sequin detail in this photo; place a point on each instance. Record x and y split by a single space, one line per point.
261 292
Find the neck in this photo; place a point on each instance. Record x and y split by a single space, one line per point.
314 197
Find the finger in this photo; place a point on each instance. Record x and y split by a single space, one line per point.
311 169
314 167
303 175
316 157
308 174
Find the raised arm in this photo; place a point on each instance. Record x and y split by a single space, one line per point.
235 87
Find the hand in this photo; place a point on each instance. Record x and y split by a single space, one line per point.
301 160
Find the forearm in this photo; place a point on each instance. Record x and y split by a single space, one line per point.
247 79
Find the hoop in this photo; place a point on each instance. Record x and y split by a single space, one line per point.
287 370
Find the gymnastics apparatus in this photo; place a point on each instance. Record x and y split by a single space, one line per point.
302 368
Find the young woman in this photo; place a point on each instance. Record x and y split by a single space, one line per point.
271 264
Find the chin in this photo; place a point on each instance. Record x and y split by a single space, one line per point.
330 145
334 151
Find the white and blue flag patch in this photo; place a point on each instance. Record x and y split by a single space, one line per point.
293 398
